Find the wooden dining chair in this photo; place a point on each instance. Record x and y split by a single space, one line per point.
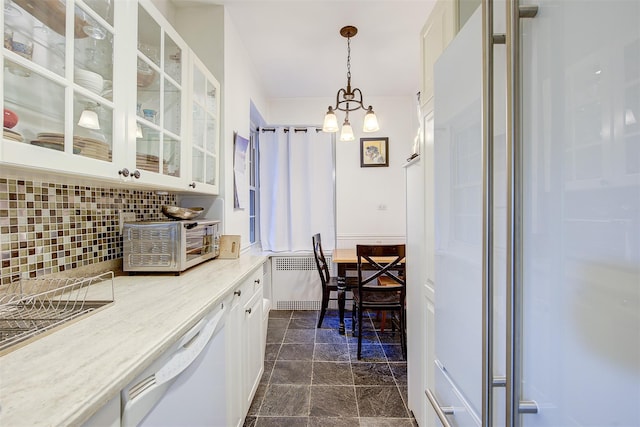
329 283
383 288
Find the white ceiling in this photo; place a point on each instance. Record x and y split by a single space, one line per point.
298 51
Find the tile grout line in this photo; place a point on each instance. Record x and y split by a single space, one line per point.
257 416
351 359
313 356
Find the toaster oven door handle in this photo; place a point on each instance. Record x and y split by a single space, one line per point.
190 226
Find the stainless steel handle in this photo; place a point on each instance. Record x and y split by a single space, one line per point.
192 185
124 172
527 11
441 411
248 310
488 41
238 292
527 407
136 174
257 281
514 211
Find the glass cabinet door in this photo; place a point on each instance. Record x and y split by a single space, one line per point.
159 97
205 128
57 81
67 110
93 78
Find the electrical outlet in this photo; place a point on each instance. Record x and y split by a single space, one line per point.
126 217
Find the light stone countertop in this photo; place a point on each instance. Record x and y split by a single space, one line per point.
65 377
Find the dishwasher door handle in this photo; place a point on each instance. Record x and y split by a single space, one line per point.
139 398
185 355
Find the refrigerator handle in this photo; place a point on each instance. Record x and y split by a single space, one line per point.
514 12
489 39
441 411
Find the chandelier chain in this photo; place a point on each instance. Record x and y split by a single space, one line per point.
349 59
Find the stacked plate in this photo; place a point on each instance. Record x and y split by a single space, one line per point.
12 135
90 80
87 147
151 163
93 148
148 162
53 141
50 140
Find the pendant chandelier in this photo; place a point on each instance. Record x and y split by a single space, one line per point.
349 100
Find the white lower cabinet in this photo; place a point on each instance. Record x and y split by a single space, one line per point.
233 381
108 416
234 349
245 346
253 352
218 385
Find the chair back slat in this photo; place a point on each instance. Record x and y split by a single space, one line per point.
393 256
321 261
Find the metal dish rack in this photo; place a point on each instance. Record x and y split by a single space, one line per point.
30 307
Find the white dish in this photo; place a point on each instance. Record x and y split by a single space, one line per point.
88 79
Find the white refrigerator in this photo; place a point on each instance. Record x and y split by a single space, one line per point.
537 216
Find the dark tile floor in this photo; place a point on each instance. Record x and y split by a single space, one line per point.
313 378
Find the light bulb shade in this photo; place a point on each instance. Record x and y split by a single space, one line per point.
370 122
330 122
89 120
347 132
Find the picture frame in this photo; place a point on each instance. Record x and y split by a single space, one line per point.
374 152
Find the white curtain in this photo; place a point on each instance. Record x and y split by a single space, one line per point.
296 189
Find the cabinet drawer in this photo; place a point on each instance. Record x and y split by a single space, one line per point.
248 288
240 294
256 281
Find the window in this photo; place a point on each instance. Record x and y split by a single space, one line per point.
254 186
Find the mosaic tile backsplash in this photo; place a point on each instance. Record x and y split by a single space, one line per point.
48 228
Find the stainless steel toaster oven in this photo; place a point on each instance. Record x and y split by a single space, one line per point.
169 246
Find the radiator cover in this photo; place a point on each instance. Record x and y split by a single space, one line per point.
296 283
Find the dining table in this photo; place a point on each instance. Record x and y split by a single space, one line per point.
346 260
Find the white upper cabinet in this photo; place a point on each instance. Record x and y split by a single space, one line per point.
438 31
160 122
205 128
107 90
58 79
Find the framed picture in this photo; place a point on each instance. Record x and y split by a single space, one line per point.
374 152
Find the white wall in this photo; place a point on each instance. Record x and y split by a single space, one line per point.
298 111
370 201
214 37
167 8
202 27
241 88
361 192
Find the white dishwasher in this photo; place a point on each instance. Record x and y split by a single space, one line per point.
186 386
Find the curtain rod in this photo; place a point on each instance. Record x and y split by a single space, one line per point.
287 130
